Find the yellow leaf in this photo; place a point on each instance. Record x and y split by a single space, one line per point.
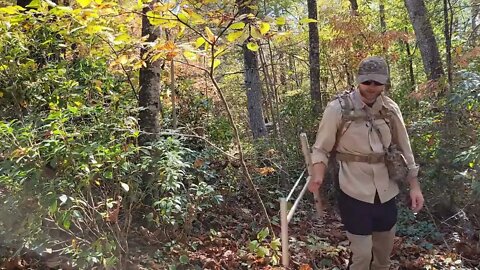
264 28
183 17
196 19
220 51
210 35
307 20
181 31
280 21
237 26
123 59
98 1
11 10
190 55
84 3
154 19
199 42
60 11
458 50
256 33
234 36
1 94
93 29
252 46
216 62
123 37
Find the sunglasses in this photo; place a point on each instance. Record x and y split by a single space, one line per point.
371 82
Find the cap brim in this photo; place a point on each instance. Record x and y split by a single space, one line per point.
372 77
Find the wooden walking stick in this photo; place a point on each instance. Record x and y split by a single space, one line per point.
308 161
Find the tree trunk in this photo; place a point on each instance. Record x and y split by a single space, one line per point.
252 83
426 40
314 58
411 72
448 38
383 29
149 94
354 7
474 21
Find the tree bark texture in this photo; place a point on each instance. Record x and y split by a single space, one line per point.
425 38
314 58
149 94
254 93
253 84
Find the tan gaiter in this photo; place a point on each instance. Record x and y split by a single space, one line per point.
382 249
361 247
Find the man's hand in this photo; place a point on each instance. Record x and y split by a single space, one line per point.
417 199
316 180
315 183
416 195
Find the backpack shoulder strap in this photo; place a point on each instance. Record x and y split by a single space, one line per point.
346 104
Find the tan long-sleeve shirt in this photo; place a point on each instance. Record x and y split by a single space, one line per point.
362 180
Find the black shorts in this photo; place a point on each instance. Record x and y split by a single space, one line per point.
363 218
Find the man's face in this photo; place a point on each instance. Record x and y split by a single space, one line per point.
370 90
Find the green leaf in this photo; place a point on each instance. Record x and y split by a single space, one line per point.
262 234
264 28
125 186
275 244
237 26
253 246
280 21
84 3
234 36
307 20
184 259
252 46
263 251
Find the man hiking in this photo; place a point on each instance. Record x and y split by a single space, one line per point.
363 131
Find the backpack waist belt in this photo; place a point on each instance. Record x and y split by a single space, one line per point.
372 158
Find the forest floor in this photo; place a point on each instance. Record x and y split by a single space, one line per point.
223 240
230 237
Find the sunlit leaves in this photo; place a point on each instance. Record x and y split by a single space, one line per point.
11 10
216 63
307 20
237 26
252 46
189 55
280 21
264 28
83 3
210 35
199 42
231 37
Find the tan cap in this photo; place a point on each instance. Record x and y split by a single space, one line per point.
373 68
